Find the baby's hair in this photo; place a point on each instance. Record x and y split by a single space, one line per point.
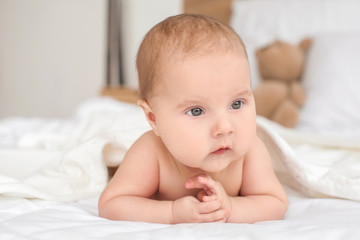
177 38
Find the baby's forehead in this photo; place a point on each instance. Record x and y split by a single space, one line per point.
188 76
187 59
195 62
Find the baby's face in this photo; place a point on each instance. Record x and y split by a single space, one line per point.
204 110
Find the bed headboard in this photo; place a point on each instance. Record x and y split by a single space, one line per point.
219 9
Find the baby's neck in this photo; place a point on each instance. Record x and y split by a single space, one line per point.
189 172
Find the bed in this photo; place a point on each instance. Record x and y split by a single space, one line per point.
52 171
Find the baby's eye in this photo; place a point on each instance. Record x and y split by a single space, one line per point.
237 104
195 112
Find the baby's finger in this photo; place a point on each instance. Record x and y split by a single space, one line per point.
194 183
202 181
223 220
207 198
215 216
208 207
207 181
201 195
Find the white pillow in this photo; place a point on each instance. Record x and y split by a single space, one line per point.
259 22
332 84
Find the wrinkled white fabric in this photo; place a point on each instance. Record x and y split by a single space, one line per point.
62 160
317 165
306 218
69 166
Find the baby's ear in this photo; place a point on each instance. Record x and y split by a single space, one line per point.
150 116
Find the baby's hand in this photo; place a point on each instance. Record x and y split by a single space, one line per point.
211 191
189 209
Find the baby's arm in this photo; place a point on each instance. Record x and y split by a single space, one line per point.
261 196
128 195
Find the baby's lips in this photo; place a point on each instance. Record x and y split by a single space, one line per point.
221 150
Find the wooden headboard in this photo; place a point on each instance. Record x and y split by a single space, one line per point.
219 9
121 94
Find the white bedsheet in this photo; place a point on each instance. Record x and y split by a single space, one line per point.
306 219
316 165
62 160
51 174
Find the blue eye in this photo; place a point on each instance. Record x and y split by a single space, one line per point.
195 112
237 104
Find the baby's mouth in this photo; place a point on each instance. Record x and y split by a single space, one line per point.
221 150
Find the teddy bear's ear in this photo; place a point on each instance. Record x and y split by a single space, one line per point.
262 49
305 44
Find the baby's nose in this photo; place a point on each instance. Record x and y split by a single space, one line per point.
222 126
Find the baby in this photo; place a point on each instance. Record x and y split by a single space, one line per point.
202 161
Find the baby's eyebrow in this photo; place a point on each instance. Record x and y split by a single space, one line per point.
246 92
190 102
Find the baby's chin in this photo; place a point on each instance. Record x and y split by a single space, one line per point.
216 165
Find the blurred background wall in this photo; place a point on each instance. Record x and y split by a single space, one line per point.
136 18
54 54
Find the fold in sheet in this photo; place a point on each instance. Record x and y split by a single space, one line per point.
319 166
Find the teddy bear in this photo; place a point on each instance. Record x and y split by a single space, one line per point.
280 94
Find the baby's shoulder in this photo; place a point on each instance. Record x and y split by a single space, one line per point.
257 149
149 142
147 149
147 138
